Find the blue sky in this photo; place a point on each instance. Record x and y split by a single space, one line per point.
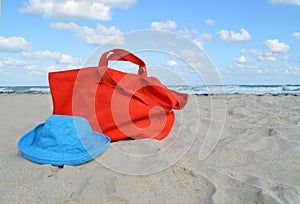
249 42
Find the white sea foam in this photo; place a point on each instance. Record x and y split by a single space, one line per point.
239 89
202 89
40 89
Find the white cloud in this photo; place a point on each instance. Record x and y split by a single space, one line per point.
287 2
269 58
260 71
205 37
49 68
296 35
168 25
198 39
35 70
188 33
201 39
42 55
98 36
88 9
68 59
171 63
273 45
12 62
259 56
31 67
193 57
198 43
241 59
231 36
13 44
240 66
59 67
58 57
209 22
251 52
293 70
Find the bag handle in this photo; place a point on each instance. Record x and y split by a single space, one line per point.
122 55
174 100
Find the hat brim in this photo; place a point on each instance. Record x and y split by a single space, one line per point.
42 156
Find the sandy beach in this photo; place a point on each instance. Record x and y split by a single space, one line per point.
256 158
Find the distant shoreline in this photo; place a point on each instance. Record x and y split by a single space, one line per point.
194 94
198 90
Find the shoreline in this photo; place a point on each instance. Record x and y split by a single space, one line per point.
194 94
199 89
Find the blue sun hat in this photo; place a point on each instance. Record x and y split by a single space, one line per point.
63 140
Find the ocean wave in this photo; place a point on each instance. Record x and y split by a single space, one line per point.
6 90
200 89
24 89
239 89
291 88
43 90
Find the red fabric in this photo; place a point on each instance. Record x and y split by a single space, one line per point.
118 104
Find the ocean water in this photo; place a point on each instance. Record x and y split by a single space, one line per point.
24 89
240 89
216 89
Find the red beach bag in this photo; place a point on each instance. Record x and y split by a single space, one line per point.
116 103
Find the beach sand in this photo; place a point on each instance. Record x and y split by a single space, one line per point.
256 159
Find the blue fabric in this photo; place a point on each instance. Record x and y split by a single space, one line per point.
63 140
